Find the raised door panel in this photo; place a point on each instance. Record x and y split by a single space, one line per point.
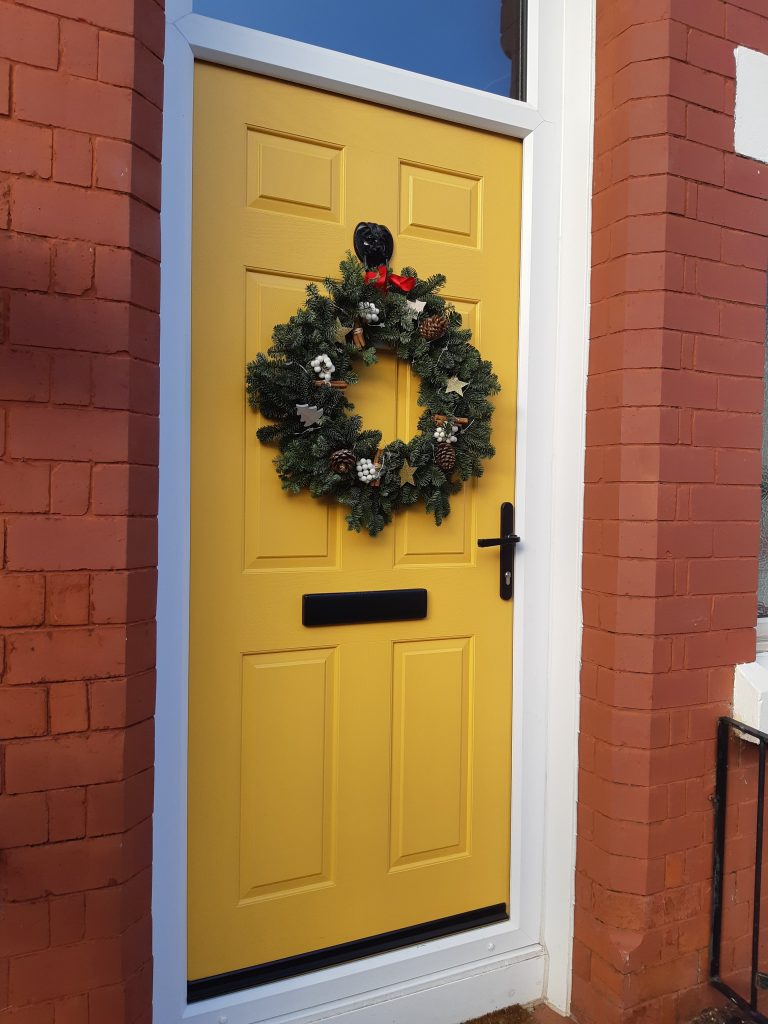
291 175
288 778
417 542
440 204
431 750
281 531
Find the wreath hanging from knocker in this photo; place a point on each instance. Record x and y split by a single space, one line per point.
301 384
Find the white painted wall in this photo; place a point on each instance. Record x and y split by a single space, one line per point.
751 104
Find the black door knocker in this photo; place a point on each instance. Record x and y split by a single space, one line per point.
373 244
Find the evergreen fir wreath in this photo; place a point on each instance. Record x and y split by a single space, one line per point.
302 384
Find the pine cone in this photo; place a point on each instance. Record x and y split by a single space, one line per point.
433 327
343 461
445 456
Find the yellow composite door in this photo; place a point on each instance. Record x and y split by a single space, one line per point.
344 782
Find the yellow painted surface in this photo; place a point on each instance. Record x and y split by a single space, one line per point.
343 781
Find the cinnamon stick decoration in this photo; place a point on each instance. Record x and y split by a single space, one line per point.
440 419
340 385
356 335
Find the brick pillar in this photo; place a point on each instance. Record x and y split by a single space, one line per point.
80 139
673 496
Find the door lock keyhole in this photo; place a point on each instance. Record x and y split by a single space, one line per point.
506 543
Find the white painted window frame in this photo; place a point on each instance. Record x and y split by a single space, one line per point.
451 979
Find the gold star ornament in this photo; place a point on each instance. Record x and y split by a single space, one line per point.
406 474
456 386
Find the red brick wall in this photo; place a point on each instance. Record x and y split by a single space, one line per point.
80 136
672 496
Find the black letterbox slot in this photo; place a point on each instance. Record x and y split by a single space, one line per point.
354 607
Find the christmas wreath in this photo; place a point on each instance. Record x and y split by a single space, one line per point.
302 382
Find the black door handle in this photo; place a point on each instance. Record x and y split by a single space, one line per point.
498 542
506 544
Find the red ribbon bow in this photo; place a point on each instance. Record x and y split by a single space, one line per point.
379 279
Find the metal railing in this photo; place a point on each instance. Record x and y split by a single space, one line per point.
757 980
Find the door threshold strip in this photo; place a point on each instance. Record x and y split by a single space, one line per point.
332 956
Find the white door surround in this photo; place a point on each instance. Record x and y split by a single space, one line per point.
452 979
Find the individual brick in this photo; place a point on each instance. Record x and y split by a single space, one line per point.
70 654
25 148
65 211
25 928
120 382
123 596
122 167
123 275
72 157
735 284
66 433
23 712
23 819
79 48
71 378
62 762
125 490
110 911
66 101
733 210
73 267
66 816
115 703
115 806
28 36
22 598
25 262
709 127
24 487
67 599
713 53
80 542
24 375
68 709
70 488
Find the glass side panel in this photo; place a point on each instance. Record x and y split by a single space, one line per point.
470 42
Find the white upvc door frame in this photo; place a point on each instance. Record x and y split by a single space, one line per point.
447 980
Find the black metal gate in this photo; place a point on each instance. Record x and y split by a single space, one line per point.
747 1002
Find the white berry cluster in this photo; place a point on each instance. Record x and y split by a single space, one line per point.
366 471
444 433
323 367
369 312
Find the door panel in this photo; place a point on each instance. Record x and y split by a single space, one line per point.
278 534
431 735
344 781
290 706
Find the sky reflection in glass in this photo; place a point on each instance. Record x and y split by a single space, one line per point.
455 40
